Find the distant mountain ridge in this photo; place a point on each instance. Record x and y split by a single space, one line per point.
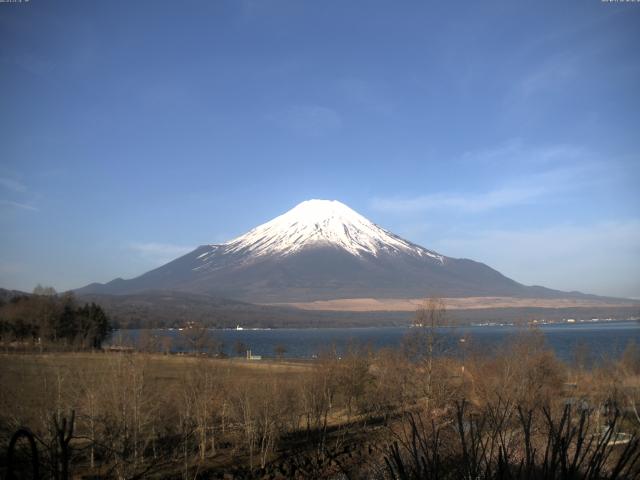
322 250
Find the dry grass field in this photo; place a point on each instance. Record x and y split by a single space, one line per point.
147 415
29 370
464 303
157 415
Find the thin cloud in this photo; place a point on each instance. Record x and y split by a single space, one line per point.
160 252
548 76
16 189
552 75
18 205
601 258
471 203
537 174
11 184
516 151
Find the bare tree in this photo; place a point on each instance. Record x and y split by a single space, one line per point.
280 350
354 378
319 389
203 393
423 339
129 410
240 348
199 340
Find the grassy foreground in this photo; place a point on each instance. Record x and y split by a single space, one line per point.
389 414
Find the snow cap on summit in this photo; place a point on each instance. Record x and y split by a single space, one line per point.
323 223
315 210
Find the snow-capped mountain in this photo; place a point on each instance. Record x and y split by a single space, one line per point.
321 250
316 223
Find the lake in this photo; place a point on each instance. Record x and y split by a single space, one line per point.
605 339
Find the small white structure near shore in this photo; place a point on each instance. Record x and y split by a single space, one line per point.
253 357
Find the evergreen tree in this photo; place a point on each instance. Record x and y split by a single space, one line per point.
53 318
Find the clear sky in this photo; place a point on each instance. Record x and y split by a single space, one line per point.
506 132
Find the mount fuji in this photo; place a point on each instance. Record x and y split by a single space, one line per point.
322 250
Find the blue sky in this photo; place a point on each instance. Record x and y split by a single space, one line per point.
506 132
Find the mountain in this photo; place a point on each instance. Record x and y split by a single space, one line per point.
322 250
6 295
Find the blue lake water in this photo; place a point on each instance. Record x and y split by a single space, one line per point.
601 339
